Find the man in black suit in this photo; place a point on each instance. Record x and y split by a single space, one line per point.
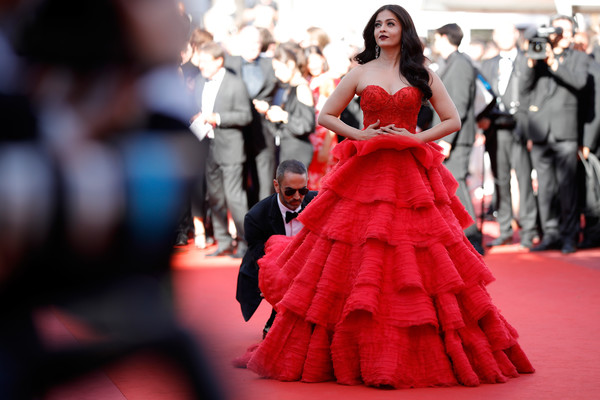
224 106
506 140
458 75
589 104
259 78
274 215
553 85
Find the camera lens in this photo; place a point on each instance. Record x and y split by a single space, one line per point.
537 47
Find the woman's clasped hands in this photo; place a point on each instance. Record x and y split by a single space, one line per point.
374 130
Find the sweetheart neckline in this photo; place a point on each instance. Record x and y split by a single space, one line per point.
392 95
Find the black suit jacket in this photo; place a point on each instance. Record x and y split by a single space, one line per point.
554 96
261 222
590 108
233 105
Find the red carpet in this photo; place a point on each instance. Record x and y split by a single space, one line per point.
553 300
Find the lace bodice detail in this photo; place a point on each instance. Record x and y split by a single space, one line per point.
400 108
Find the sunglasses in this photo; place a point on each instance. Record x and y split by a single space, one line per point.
291 191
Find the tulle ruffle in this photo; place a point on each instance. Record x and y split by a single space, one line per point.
381 286
399 316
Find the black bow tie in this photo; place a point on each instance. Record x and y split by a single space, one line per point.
290 215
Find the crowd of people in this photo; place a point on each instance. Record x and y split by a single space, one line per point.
288 83
546 121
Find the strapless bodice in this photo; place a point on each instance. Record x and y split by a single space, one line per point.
400 108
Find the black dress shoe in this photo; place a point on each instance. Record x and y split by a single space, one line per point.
547 244
500 241
568 248
226 251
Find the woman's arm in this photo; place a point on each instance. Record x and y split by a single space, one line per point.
337 102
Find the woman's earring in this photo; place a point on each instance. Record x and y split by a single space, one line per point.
376 51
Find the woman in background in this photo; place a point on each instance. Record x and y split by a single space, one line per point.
292 114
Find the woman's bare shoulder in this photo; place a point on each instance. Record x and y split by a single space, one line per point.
362 76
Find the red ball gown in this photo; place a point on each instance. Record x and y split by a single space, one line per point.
381 286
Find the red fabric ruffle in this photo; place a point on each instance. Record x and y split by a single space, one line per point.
381 286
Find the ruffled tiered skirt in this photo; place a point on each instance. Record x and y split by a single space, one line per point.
381 286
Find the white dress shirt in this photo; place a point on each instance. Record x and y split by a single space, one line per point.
209 93
505 67
209 96
294 226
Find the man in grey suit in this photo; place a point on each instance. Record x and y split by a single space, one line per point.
553 85
224 105
257 72
506 140
458 75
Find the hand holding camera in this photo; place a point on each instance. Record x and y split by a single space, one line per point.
541 45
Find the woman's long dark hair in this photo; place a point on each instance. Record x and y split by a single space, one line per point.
412 60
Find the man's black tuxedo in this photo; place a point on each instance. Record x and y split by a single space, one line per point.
226 155
261 222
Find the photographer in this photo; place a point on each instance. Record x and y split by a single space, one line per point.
553 79
504 128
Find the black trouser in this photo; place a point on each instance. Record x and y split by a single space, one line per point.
556 166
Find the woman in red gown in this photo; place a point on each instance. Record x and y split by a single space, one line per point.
381 286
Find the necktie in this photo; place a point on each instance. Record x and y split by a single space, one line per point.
290 215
